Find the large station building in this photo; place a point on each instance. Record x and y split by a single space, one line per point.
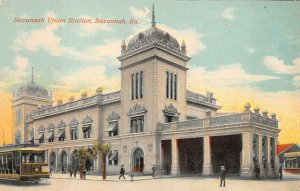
153 120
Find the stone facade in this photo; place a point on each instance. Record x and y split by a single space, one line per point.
154 120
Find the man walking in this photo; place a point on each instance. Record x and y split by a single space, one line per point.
122 172
222 176
280 172
257 172
71 171
75 172
153 171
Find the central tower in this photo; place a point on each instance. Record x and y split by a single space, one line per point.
153 80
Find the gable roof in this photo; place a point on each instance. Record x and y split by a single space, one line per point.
282 147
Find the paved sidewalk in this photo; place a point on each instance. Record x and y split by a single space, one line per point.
99 177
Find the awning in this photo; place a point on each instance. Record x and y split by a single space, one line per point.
51 136
85 128
61 134
40 137
112 126
31 139
114 156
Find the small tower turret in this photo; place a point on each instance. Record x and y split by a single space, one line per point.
183 47
123 47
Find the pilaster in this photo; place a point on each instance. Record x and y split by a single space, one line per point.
207 166
175 159
247 155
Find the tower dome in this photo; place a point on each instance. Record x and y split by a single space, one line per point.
32 89
153 35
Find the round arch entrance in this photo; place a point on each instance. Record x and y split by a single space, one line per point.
63 161
89 163
52 161
138 160
74 161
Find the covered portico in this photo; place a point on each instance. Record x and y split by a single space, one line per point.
237 141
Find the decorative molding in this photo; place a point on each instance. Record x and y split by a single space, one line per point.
41 128
137 109
170 110
51 126
113 116
74 123
124 149
87 120
61 125
150 147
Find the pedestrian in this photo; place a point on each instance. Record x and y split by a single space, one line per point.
50 171
122 172
131 175
153 171
256 172
280 172
84 173
71 171
62 170
75 171
222 176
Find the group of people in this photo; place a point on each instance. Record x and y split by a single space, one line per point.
257 172
73 171
122 172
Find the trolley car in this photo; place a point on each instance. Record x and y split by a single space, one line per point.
23 163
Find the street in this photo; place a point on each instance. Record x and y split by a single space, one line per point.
64 183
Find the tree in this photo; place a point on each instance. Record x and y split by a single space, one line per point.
103 150
83 154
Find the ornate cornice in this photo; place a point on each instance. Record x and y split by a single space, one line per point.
51 126
61 125
74 122
137 109
113 116
41 128
170 109
87 120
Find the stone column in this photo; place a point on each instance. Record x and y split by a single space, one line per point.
56 160
175 158
207 166
276 157
247 155
269 147
260 164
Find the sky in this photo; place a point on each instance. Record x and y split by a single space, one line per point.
242 51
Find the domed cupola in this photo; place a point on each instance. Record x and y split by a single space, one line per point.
151 36
32 89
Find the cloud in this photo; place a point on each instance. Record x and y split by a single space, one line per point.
139 13
232 75
90 77
228 13
296 81
109 49
87 29
251 50
21 62
43 38
14 75
278 66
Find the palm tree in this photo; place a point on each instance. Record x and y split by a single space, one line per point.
83 154
103 150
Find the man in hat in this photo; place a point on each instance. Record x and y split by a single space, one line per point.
122 172
222 176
